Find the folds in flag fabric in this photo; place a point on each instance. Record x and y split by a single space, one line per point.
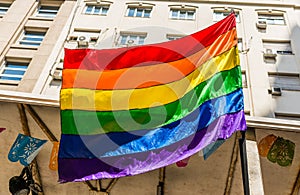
25 149
130 110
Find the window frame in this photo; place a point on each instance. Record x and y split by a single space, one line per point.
135 13
184 11
123 42
172 37
240 45
47 13
267 17
32 34
16 78
244 79
281 44
225 13
91 35
288 86
101 8
5 7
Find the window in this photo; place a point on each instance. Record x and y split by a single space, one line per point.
84 37
285 81
57 72
3 8
278 47
240 45
182 14
174 37
276 19
221 14
244 79
47 11
131 39
32 38
272 48
96 9
13 71
141 12
287 116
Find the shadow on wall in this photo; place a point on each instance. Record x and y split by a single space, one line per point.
283 145
296 45
285 81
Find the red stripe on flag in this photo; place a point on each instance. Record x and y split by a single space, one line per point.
110 59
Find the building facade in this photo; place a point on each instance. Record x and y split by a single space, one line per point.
35 33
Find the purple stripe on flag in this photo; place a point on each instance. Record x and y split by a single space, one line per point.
112 167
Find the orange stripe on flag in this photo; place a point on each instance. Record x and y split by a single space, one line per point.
147 76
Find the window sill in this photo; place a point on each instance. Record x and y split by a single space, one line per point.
94 14
182 19
137 17
8 82
40 18
18 46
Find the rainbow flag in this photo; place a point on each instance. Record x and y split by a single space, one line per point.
131 110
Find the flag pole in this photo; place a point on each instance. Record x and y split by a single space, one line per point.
244 164
161 183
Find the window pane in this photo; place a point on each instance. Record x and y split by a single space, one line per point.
97 10
272 19
11 65
123 39
182 14
13 71
174 37
89 9
131 12
29 43
139 13
46 14
262 19
104 10
32 38
279 21
191 15
4 8
49 8
147 13
240 44
133 37
237 17
47 11
219 15
10 78
283 48
141 40
174 13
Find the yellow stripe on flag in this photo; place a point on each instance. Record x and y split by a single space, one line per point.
107 100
